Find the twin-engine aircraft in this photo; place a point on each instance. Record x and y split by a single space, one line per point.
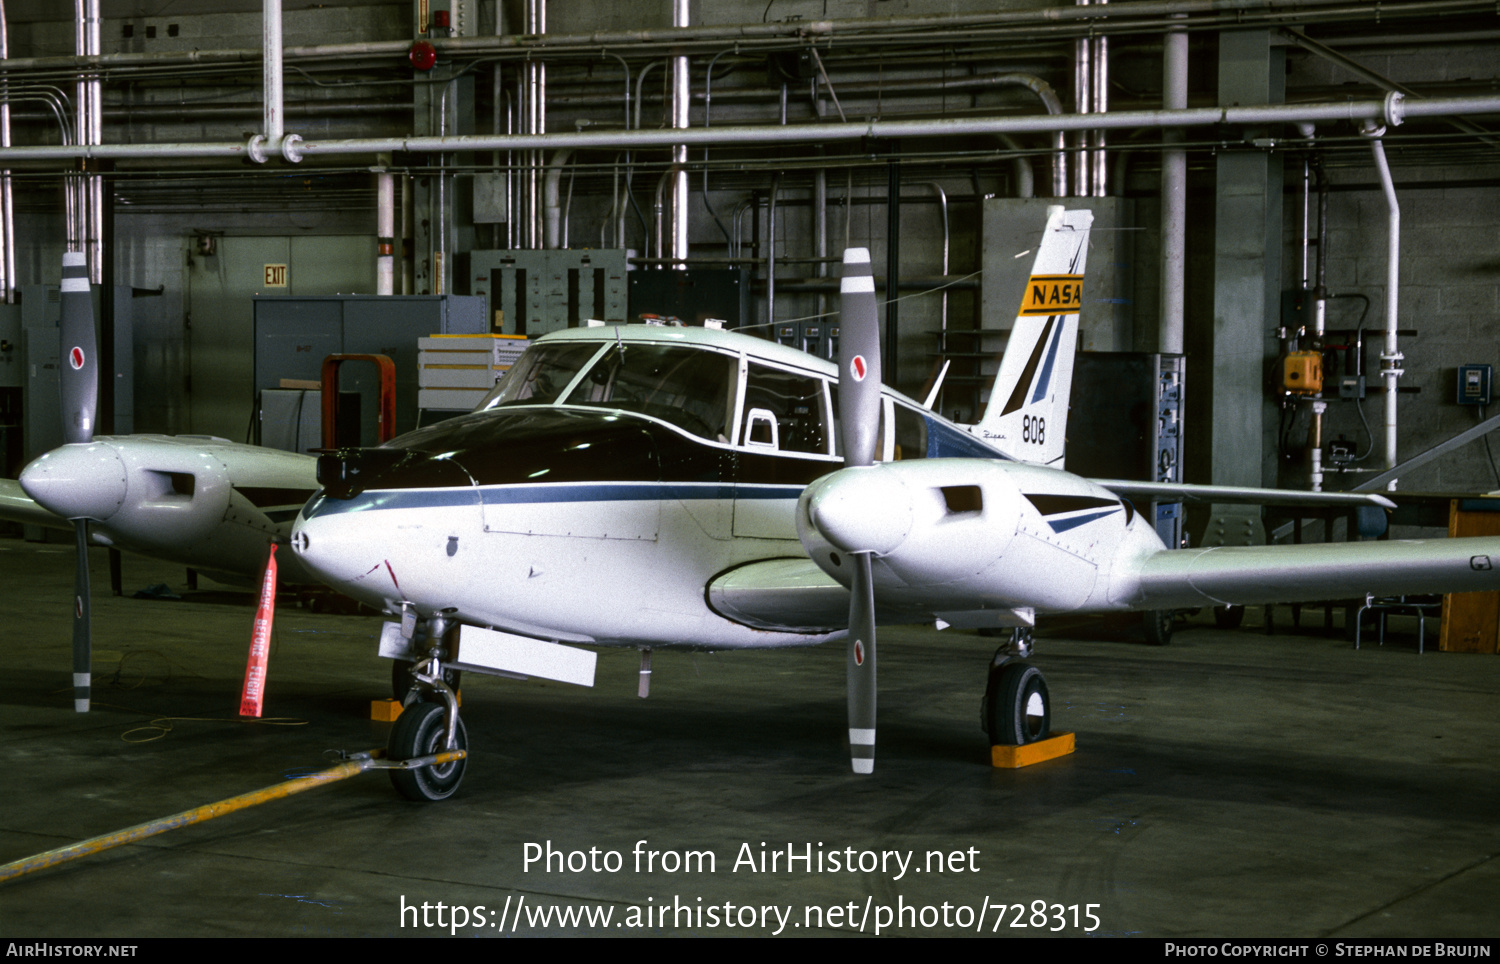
657 487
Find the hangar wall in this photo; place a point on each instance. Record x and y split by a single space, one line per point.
762 204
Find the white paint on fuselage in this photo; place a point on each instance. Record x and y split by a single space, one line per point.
647 592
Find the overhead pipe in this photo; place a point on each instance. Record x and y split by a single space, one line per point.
1392 110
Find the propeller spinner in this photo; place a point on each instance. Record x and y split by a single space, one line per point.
78 378
859 427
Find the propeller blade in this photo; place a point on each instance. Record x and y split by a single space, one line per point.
78 369
861 666
859 360
82 633
78 381
859 429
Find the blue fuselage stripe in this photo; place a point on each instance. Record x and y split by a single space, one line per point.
1063 525
542 494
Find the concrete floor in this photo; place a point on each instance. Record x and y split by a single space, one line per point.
1228 785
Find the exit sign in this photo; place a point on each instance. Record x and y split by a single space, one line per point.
275 276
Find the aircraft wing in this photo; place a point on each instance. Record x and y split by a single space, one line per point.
1246 575
1182 492
17 506
792 595
787 594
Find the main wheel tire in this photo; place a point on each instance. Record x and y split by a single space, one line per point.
1018 709
1229 617
402 681
1158 627
419 731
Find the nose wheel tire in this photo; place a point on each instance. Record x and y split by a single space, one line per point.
1017 708
420 731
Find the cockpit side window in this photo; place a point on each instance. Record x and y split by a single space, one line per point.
687 387
911 433
539 376
797 404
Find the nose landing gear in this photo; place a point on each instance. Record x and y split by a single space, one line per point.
430 722
1017 708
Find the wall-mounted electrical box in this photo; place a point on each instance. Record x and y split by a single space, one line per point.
1302 372
1474 384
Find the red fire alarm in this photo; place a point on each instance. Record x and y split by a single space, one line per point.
422 55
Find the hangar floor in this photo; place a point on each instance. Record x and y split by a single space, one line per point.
1231 784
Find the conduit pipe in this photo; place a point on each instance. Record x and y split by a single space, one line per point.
1391 358
1138 16
1083 103
1099 55
681 98
534 101
88 204
7 197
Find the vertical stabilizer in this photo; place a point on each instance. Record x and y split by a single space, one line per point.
1027 416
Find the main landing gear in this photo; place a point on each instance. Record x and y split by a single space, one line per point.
1016 709
429 723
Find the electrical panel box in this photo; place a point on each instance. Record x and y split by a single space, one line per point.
814 337
1133 430
533 292
1302 372
1474 384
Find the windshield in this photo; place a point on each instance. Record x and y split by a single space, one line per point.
539 375
688 387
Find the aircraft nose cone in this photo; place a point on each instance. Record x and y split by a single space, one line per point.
862 510
78 481
330 547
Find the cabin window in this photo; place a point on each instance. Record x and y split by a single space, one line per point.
540 375
911 433
686 387
794 405
909 441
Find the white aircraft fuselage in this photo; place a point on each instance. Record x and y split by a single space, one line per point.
608 521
